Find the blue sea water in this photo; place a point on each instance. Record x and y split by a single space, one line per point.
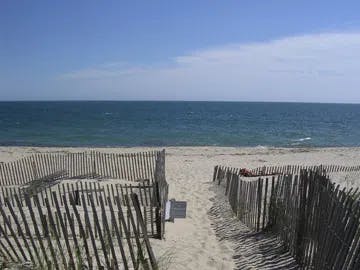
120 123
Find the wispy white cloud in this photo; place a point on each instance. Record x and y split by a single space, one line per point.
317 67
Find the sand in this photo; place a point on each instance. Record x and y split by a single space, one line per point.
192 243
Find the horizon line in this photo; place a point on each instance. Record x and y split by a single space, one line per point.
170 100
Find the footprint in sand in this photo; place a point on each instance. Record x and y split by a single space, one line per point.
210 262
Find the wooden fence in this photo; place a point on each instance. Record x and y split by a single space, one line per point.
82 223
249 197
95 238
293 169
161 189
149 207
317 221
131 166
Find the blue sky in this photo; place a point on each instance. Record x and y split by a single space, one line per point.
180 50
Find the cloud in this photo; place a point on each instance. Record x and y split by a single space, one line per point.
317 67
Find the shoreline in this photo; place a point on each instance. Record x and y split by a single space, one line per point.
228 150
184 146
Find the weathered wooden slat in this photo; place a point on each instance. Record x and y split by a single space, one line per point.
47 234
118 235
126 229
136 233
20 229
81 228
107 233
92 237
55 233
13 234
28 232
37 232
6 250
64 230
97 225
136 204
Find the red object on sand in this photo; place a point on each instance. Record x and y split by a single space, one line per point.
246 172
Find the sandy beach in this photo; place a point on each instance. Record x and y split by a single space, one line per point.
192 243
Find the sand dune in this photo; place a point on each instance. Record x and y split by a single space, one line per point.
194 243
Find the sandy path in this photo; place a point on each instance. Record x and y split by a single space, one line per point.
192 241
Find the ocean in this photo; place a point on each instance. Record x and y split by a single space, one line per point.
132 123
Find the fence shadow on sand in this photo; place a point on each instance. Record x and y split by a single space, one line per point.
252 250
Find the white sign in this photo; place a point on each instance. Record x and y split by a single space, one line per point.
175 209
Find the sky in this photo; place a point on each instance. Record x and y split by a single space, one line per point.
276 50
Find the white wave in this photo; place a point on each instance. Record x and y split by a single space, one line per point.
262 147
302 139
